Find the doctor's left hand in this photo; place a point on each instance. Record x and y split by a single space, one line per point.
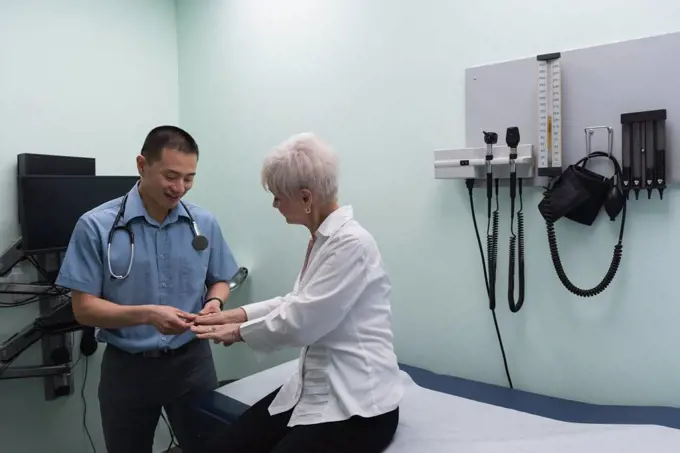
227 334
211 307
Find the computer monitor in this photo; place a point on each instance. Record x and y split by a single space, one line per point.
51 164
52 204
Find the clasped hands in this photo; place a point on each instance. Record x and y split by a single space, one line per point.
210 323
220 327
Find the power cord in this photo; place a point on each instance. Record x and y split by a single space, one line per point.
173 440
82 396
470 183
26 301
54 290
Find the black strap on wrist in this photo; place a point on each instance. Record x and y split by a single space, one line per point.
217 299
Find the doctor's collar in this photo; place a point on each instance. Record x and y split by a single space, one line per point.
135 208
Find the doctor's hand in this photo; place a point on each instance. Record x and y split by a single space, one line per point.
170 320
211 307
232 316
227 334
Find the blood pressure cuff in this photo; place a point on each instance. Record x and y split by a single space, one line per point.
577 194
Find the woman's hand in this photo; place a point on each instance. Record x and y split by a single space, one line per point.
227 334
233 316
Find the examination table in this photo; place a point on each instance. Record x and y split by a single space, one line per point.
444 414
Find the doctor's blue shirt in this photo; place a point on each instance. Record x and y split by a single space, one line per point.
166 269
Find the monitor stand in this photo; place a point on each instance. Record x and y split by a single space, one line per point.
51 328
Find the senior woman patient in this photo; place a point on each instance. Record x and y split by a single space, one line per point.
346 393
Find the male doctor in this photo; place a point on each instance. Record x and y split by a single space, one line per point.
152 359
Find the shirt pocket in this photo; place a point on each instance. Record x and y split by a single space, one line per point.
192 271
136 288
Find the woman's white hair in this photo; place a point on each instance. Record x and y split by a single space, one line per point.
303 161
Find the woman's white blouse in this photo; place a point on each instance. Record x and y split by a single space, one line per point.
339 313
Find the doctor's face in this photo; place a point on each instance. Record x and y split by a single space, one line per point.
169 178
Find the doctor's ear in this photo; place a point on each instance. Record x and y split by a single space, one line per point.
141 164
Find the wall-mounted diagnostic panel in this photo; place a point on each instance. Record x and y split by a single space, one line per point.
594 128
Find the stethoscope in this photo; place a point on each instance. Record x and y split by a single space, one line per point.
199 242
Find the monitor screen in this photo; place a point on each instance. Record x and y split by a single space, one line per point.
48 164
52 204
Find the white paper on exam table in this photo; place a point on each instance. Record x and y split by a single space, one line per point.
435 422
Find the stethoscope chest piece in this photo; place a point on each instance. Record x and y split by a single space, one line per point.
200 242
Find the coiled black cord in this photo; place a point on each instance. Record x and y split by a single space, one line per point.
516 307
618 248
492 229
173 440
470 184
609 276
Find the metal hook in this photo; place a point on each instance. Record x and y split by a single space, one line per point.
239 278
610 138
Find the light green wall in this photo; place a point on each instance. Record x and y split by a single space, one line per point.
78 78
384 82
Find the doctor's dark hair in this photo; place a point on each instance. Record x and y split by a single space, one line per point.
168 137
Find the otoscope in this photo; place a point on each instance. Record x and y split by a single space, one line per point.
491 138
512 140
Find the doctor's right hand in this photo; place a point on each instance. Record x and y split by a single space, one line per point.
232 316
170 320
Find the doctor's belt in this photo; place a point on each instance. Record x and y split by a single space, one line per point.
158 353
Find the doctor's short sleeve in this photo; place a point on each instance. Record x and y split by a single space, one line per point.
83 264
222 266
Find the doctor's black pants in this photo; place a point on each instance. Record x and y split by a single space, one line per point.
256 431
133 389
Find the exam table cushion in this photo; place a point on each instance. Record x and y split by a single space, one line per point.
444 414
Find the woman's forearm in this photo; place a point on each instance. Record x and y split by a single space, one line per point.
235 316
261 309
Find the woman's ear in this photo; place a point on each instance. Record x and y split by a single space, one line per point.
306 196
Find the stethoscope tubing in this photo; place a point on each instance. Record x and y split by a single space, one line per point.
199 242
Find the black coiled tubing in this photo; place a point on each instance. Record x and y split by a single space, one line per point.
613 267
514 239
492 230
609 276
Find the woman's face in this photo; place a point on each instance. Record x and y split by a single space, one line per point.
293 208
